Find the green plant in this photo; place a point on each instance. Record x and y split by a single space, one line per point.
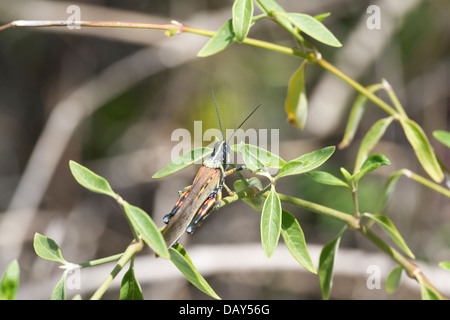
276 221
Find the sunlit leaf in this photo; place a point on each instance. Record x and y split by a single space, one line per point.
296 103
242 18
91 180
393 279
10 281
256 158
271 222
443 137
47 248
423 149
445 265
183 161
326 178
373 162
388 226
182 261
59 292
295 240
129 287
271 7
255 186
221 40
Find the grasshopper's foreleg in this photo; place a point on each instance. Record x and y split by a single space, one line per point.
182 196
227 173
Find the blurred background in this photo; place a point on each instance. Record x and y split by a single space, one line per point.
111 98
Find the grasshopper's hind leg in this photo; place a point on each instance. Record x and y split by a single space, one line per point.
182 196
206 208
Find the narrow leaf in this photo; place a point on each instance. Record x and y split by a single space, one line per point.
129 287
423 149
445 265
372 162
148 230
183 161
326 178
443 137
370 140
296 103
271 222
221 40
242 18
91 180
356 113
59 293
47 248
256 158
295 241
255 186
311 27
182 261
393 279
306 162
388 190
326 265
388 226
10 281
271 7
427 292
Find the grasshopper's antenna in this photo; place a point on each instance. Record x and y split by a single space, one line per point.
217 110
243 122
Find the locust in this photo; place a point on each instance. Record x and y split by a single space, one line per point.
196 201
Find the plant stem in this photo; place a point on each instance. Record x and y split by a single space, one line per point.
129 253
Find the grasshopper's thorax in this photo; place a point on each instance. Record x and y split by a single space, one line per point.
220 157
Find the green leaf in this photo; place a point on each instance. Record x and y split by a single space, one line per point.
388 190
10 281
91 180
183 161
326 178
348 177
306 162
148 230
182 261
59 293
393 279
443 137
326 265
271 222
445 265
271 7
386 224
47 248
370 140
423 149
256 158
242 18
255 186
372 162
221 40
295 241
296 103
129 287
427 292
322 16
358 108
311 27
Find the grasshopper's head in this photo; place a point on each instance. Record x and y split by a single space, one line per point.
220 157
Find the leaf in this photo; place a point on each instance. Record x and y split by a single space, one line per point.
295 241
311 27
91 180
256 158
388 190
445 265
221 40
183 161
255 186
358 108
182 261
372 162
296 103
47 248
271 7
326 265
10 281
370 140
271 222
129 287
423 149
306 162
386 224
427 292
348 177
326 178
393 279
148 230
443 137
59 293
242 18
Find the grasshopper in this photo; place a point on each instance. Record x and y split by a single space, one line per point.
196 201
